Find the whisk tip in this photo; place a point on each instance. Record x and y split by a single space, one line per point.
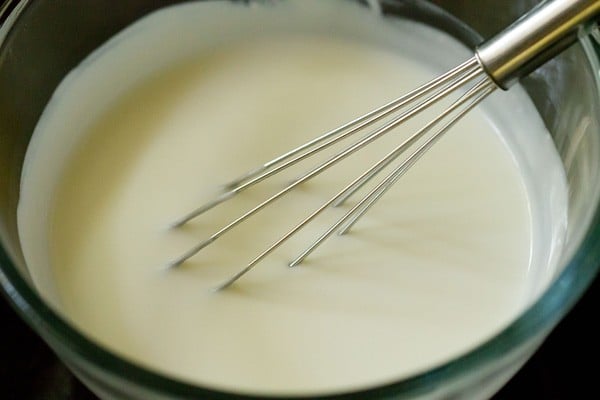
174 264
223 286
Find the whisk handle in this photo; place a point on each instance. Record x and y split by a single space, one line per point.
535 38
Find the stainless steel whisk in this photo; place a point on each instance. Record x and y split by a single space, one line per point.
499 62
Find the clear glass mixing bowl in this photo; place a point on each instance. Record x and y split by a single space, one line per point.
41 40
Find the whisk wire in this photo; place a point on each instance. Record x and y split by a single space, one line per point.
366 119
448 88
328 139
484 88
473 97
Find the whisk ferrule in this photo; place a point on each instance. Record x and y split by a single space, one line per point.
534 39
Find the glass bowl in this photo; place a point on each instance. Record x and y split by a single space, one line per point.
41 40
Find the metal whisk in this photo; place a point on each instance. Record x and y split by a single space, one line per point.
500 62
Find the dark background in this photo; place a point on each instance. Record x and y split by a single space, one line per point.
566 366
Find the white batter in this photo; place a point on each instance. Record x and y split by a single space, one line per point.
148 128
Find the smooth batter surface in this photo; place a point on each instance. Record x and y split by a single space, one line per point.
150 126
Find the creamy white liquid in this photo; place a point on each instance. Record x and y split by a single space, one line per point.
148 128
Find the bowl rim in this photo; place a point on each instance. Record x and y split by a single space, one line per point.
532 324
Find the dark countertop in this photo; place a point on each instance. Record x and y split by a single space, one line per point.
565 367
